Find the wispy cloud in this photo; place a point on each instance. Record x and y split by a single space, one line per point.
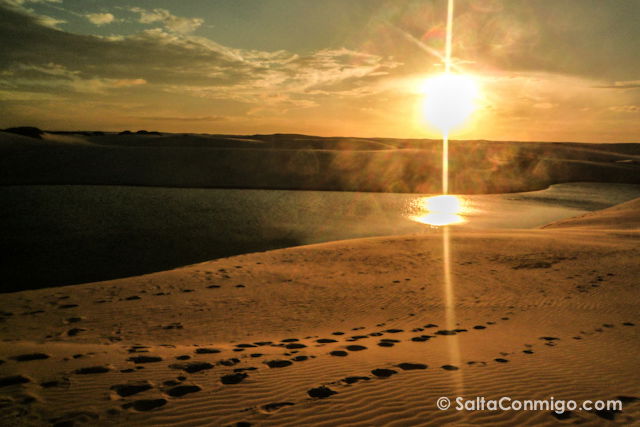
171 22
100 18
182 118
629 84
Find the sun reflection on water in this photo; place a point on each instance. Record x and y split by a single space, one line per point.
440 210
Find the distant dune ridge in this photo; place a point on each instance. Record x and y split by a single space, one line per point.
341 333
305 162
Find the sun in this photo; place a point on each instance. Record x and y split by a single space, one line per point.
449 100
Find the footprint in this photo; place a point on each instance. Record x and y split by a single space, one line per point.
449 367
92 370
356 347
64 382
501 360
479 327
607 414
13 380
145 404
294 346
204 350
386 344
193 367
411 366
290 340
527 351
321 392
421 338
229 362
30 357
144 359
233 378
75 331
183 390
325 340
562 415
125 390
383 373
394 331
278 363
354 379
173 326
445 332
273 407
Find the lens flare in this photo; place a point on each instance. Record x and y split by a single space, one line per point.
449 101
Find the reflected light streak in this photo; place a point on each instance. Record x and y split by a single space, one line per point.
451 203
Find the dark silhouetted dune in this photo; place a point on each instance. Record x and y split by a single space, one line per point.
307 163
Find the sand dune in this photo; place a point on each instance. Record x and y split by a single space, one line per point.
622 216
351 332
307 163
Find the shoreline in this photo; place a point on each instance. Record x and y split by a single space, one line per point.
96 233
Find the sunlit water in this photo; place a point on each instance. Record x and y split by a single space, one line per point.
71 234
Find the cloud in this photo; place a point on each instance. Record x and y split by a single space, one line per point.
129 82
172 63
21 6
183 119
171 22
629 84
23 2
100 18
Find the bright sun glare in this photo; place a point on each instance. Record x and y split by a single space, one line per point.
440 210
449 100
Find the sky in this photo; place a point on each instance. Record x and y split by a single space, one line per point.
548 70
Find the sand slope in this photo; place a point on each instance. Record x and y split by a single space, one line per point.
623 216
345 333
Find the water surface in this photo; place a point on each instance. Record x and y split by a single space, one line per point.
64 234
